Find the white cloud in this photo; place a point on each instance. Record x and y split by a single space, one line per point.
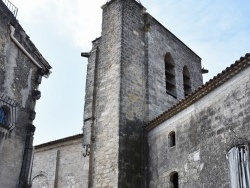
79 21
217 31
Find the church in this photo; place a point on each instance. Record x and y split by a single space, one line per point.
149 121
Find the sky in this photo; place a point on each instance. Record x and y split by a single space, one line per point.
218 31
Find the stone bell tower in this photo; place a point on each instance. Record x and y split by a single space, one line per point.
126 87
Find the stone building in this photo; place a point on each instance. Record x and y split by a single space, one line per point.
149 121
59 163
202 141
21 70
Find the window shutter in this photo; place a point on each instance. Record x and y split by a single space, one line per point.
239 167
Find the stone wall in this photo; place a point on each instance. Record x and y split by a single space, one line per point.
59 164
126 87
132 94
161 41
101 114
19 78
205 131
89 106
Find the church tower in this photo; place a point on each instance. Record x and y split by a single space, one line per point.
136 70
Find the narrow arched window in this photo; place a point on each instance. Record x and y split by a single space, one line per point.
186 81
171 139
174 179
170 75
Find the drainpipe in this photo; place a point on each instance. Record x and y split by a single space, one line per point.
12 31
27 158
30 170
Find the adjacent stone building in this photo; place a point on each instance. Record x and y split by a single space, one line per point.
59 163
21 70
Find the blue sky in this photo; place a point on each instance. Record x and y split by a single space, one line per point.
218 31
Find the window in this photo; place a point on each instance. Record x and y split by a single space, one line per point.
171 139
41 180
238 158
7 112
170 75
174 179
186 81
4 116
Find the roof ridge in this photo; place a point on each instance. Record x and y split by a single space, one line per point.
59 140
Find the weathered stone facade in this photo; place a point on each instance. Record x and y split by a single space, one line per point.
206 129
59 164
21 70
160 41
126 87
148 121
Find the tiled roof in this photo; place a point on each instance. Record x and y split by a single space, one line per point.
59 141
209 86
